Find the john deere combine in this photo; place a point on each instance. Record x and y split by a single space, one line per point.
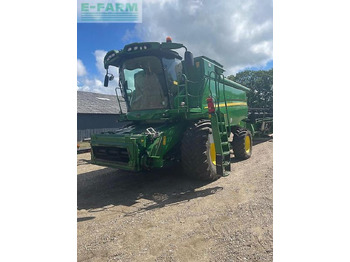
178 111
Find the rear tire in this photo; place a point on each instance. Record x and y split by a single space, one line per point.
242 143
196 158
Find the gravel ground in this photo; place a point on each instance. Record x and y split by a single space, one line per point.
162 216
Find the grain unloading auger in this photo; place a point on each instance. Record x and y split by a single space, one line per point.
178 111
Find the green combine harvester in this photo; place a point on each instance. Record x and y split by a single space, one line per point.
178 112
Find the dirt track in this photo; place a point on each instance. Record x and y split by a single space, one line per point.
165 217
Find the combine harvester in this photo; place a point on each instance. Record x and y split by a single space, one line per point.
178 111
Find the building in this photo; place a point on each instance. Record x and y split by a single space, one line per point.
97 113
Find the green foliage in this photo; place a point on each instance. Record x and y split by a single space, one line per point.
261 83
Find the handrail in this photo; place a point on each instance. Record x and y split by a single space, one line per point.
217 77
224 91
116 94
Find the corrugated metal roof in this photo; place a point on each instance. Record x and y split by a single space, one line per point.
94 103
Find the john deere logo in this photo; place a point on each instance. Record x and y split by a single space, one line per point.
113 11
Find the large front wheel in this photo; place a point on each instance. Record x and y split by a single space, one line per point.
198 157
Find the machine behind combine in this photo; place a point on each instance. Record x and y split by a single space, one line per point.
178 111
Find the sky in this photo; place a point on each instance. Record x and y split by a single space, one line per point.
236 33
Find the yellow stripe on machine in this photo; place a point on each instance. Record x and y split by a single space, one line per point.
231 104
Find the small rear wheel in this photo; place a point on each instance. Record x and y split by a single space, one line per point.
242 143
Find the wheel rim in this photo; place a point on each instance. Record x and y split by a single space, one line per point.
247 144
212 151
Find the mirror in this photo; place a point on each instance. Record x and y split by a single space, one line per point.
189 61
108 77
106 80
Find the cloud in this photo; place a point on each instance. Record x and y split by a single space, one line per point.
236 33
93 83
99 56
81 70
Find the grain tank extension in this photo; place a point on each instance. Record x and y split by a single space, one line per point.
179 111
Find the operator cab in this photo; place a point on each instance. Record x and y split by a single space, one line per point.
149 82
149 74
143 82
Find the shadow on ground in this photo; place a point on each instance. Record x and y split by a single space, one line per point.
101 188
81 219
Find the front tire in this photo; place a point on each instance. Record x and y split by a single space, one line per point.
198 158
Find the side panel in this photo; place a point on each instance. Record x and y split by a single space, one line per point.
236 100
158 151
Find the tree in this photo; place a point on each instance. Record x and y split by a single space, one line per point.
261 83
